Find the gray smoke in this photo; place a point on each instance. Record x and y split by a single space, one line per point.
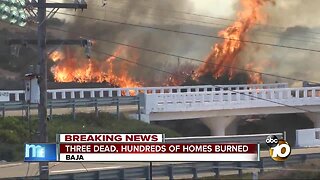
292 13
298 63
290 23
153 13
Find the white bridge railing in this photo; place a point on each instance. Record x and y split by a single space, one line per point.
79 93
218 100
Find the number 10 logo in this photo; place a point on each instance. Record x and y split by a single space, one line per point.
279 148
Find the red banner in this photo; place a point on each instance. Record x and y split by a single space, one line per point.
158 148
110 138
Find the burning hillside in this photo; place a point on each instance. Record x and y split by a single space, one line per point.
225 54
71 69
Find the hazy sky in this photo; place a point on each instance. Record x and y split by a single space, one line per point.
215 8
221 8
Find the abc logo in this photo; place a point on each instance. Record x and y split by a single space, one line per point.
279 148
272 141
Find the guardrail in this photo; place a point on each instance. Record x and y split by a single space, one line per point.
80 93
75 103
184 169
217 100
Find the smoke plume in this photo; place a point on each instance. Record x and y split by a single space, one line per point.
153 13
290 23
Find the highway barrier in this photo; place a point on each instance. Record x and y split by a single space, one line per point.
73 104
192 169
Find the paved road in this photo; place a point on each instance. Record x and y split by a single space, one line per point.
19 169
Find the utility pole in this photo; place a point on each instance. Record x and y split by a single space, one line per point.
41 41
42 107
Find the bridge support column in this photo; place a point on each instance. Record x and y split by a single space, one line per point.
218 125
315 118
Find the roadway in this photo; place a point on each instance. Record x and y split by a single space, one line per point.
21 169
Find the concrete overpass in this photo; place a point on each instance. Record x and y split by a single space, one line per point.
217 106
217 109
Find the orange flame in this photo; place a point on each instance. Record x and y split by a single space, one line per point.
226 53
254 78
179 76
56 56
74 70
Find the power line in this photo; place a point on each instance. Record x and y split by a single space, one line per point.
217 86
84 167
208 16
182 57
261 32
193 33
27 173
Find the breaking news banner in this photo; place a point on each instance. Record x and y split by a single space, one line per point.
159 152
110 138
135 147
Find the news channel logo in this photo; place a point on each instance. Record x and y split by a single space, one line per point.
279 149
40 152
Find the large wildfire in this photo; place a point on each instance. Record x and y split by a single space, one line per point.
71 69
223 55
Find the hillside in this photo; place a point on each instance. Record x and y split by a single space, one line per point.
15 131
